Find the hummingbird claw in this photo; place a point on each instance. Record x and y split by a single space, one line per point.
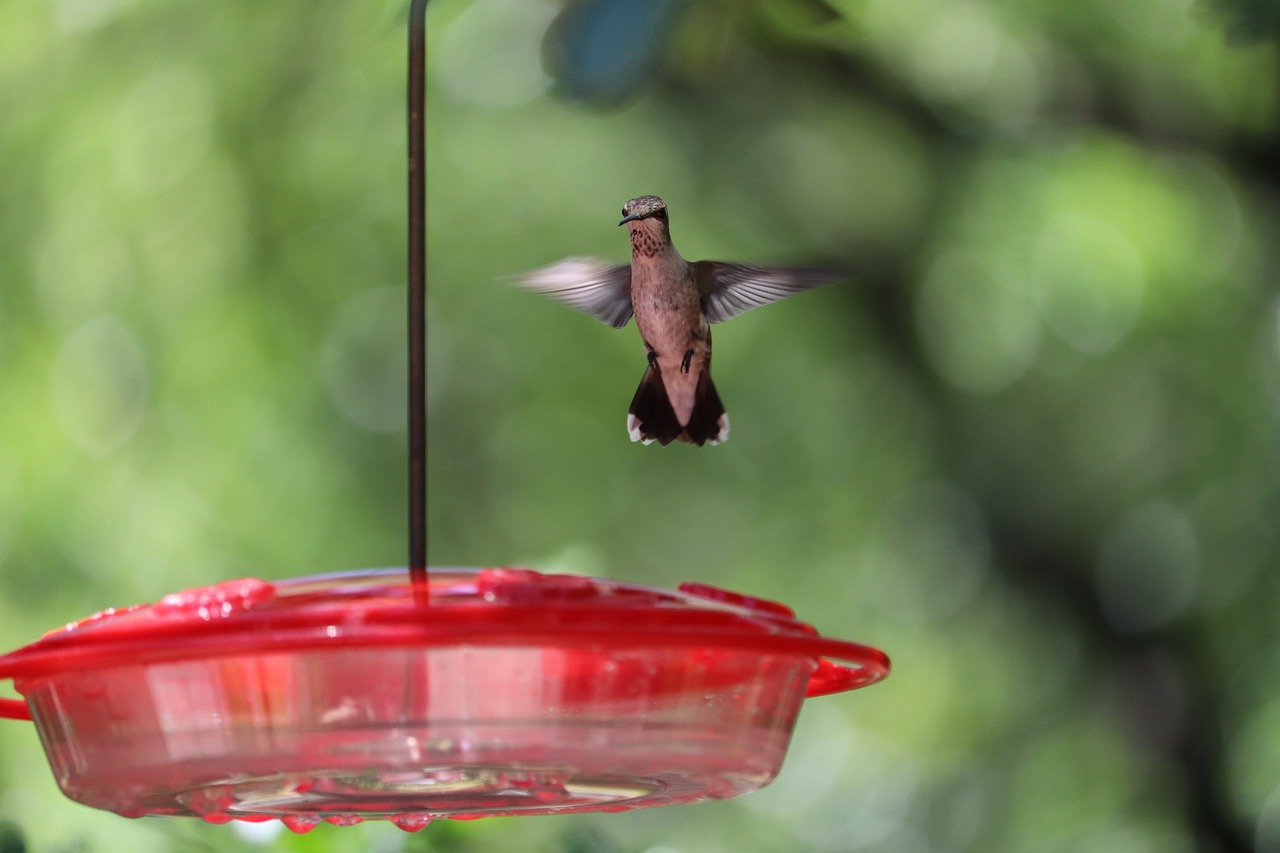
653 359
684 364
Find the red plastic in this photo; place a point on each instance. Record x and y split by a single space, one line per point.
359 695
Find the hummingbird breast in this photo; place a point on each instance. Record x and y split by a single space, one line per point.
669 316
667 309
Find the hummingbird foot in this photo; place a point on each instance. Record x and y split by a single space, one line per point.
653 360
684 364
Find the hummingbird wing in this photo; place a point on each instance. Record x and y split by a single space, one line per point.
729 289
599 289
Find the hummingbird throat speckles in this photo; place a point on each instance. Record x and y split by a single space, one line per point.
645 243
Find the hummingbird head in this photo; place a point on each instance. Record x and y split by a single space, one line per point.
644 207
646 219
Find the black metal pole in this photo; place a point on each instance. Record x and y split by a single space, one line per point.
417 293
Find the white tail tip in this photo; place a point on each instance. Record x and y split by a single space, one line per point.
722 434
633 430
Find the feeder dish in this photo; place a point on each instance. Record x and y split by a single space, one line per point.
472 693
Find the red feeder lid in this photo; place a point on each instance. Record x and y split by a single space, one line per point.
494 606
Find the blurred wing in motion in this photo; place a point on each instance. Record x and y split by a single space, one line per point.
599 289
729 289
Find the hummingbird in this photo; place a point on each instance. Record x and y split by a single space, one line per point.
674 302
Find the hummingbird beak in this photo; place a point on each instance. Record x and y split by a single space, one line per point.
630 218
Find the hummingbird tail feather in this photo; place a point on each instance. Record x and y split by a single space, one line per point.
708 421
651 417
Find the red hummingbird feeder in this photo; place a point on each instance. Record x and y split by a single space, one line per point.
412 695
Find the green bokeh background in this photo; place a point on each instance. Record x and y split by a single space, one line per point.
1031 450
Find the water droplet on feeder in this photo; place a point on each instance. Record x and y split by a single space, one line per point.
343 819
412 822
300 823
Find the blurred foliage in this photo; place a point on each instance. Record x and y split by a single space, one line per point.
1031 451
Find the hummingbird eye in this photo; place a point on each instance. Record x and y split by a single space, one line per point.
661 214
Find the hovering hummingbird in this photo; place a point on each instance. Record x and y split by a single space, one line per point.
674 302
